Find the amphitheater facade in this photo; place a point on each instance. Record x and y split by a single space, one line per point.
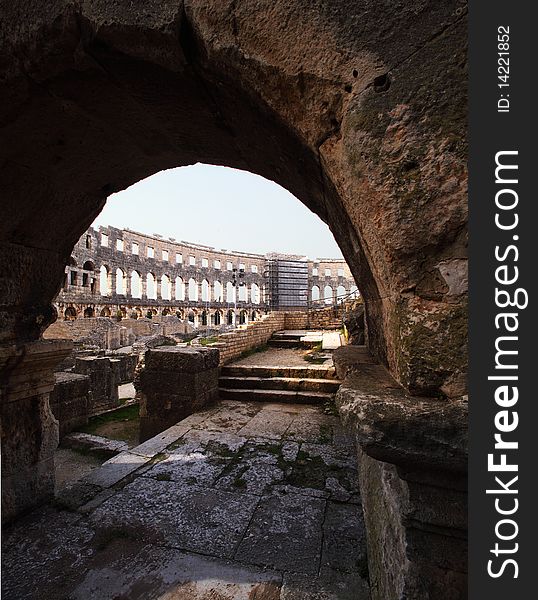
122 273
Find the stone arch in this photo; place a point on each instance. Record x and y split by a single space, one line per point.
89 312
166 288
232 92
104 280
340 294
89 265
242 293
204 318
136 285
121 282
217 318
151 286
315 293
344 190
243 317
70 313
230 317
105 312
328 294
165 312
193 290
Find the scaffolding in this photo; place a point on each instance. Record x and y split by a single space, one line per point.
286 282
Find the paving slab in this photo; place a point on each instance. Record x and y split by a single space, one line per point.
224 505
152 573
115 469
198 519
269 424
328 586
160 442
285 534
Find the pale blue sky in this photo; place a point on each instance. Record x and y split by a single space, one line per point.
220 207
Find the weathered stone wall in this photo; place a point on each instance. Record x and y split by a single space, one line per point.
104 374
69 401
231 345
175 383
29 430
412 472
83 293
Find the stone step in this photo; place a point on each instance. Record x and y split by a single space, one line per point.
292 343
285 396
305 372
280 383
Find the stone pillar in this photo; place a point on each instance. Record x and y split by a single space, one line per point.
413 481
158 287
104 377
175 383
112 283
29 429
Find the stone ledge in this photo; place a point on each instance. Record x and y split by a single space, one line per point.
413 433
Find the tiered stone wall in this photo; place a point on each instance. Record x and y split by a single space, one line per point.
109 269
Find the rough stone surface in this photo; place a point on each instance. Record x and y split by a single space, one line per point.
104 374
212 515
413 478
174 383
69 401
94 444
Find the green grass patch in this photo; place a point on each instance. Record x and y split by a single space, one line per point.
251 351
125 413
206 341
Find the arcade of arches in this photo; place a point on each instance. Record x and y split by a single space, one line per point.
359 110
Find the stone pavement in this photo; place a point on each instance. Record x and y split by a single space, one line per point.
252 501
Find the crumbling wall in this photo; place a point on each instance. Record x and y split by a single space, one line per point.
175 383
104 374
70 400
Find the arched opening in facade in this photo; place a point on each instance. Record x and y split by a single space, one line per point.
70 314
242 293
205 291
166 288
218 291
191 317
136 285
180 289
165 312
340 294
121 282
328 294
193 290
217 318
255 293
105 312
230 317
88 266
230 292
243 317
203 318
151 287
104 284
315 293
89 312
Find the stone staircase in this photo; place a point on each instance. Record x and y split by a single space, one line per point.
294 339
298 385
